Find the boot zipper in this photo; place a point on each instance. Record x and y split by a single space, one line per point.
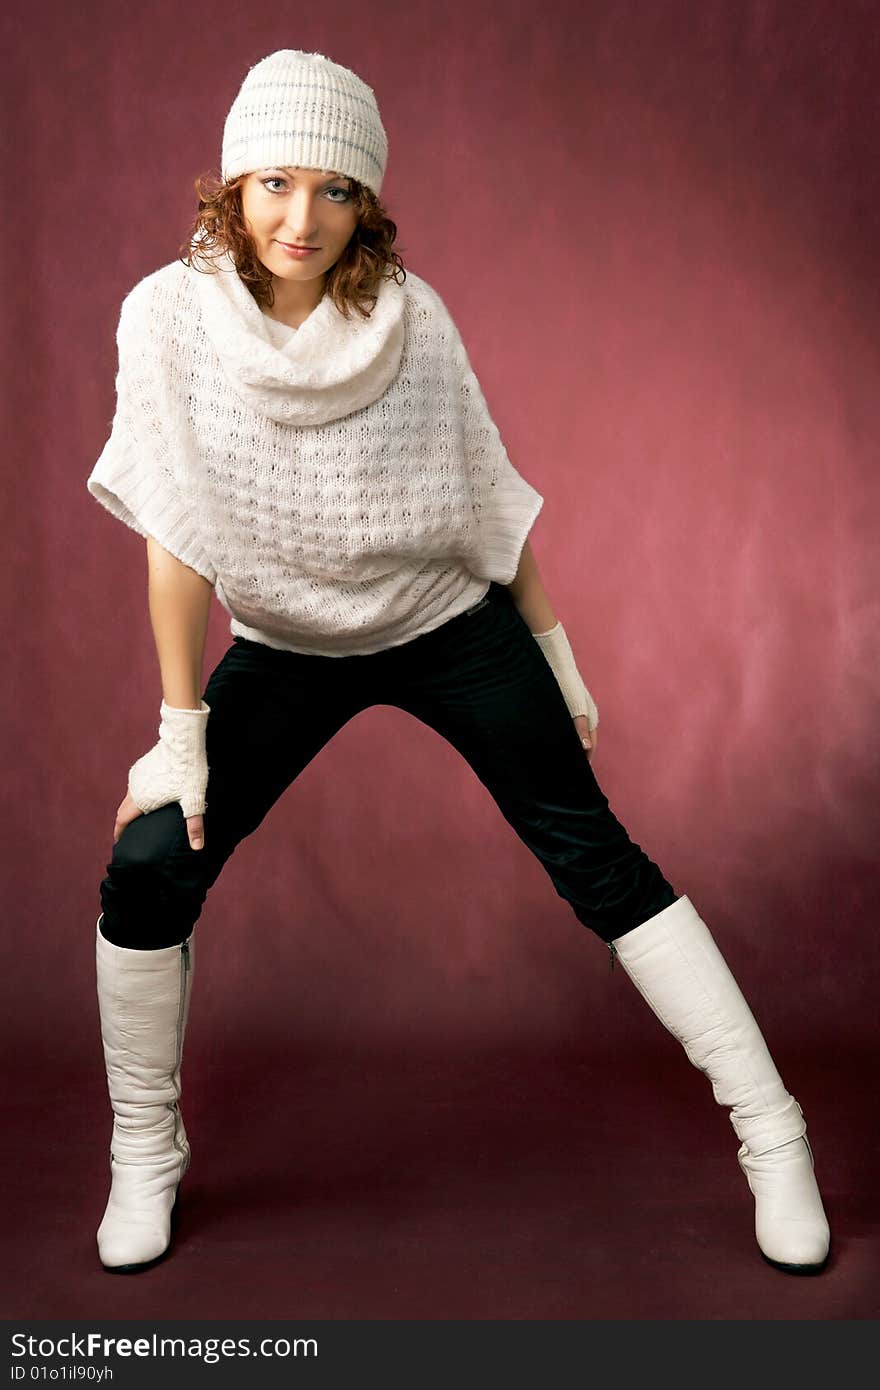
612 951
184 967
184 964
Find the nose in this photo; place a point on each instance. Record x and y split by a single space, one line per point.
301 221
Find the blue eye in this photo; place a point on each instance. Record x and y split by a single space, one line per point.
274 178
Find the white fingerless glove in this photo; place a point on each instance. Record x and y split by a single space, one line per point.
176 769
555 646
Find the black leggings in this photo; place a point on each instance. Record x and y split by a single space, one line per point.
480 680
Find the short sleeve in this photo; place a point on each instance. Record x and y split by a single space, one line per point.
505 505
133 477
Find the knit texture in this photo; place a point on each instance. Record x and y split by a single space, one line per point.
343 487
302 110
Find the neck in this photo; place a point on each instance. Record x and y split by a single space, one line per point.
294 302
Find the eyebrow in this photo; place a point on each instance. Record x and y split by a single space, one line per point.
286 172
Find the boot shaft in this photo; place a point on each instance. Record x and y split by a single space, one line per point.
144 999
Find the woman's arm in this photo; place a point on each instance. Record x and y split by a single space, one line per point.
531 599
180 603
529 594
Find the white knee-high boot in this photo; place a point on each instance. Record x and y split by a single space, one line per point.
677 967
143 998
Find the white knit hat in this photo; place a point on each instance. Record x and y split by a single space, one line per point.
301 110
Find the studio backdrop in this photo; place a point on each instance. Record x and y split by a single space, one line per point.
659 242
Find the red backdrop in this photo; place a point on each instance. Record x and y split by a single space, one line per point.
656 227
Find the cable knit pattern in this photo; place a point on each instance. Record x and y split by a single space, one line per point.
175 768
342 485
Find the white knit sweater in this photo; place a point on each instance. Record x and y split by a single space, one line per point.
342 484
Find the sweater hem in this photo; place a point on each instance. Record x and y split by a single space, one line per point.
152 514
504 534
475 590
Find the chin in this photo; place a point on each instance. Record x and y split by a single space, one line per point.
287 265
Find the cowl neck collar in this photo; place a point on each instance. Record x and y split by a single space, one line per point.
328 368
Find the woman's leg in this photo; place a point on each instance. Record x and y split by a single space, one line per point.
483 683
271 712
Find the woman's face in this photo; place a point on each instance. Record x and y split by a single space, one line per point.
299 207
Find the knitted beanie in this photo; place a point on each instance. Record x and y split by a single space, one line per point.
301 110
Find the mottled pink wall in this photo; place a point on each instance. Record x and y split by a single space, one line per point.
656 226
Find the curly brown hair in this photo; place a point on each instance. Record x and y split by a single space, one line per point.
354 279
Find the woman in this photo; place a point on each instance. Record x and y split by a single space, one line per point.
299 430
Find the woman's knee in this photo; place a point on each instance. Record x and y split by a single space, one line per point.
626 902
149 839
155 884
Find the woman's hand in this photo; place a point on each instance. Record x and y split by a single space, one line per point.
175 769
128 811
587 739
